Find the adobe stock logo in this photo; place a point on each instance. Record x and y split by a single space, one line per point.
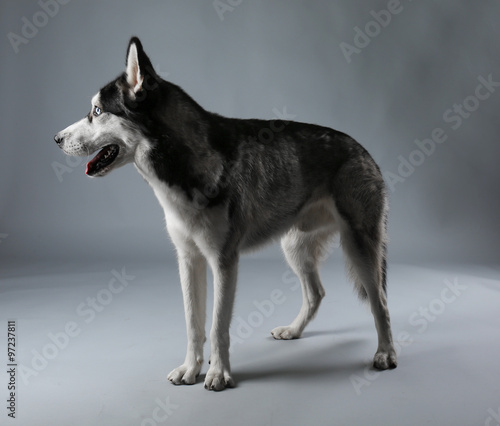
453 117
222 7
31 27
161 412
421 319
493 418
60 340
364 36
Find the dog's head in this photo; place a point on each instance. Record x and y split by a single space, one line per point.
118 120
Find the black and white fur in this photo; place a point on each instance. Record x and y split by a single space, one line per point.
224 190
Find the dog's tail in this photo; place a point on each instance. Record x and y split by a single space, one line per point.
362 268
364 210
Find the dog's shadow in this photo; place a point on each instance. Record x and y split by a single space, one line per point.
309 334
315 363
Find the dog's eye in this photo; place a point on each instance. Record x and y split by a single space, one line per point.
97 111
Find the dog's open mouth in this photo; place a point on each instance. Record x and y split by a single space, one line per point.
102 160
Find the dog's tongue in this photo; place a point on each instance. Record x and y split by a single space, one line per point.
103 158
89 170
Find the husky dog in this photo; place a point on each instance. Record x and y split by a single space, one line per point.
225 189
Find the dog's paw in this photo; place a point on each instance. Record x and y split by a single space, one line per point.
218 379
184 375
384 360
285 333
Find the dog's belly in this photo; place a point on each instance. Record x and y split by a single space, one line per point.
316 215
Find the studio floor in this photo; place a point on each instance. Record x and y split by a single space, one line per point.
94 344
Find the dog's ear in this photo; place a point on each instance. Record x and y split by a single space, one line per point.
138 65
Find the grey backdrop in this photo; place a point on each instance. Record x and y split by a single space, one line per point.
312 59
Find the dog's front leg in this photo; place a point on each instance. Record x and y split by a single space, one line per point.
193 274
225 275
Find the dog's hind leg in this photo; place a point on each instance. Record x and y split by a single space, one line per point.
193 274
363 215
366 261
303 251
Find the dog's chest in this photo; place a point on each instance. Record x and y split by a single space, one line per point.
206 226
172 201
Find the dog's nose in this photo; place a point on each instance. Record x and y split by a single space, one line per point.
58 139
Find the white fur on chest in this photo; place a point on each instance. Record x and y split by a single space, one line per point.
206 227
